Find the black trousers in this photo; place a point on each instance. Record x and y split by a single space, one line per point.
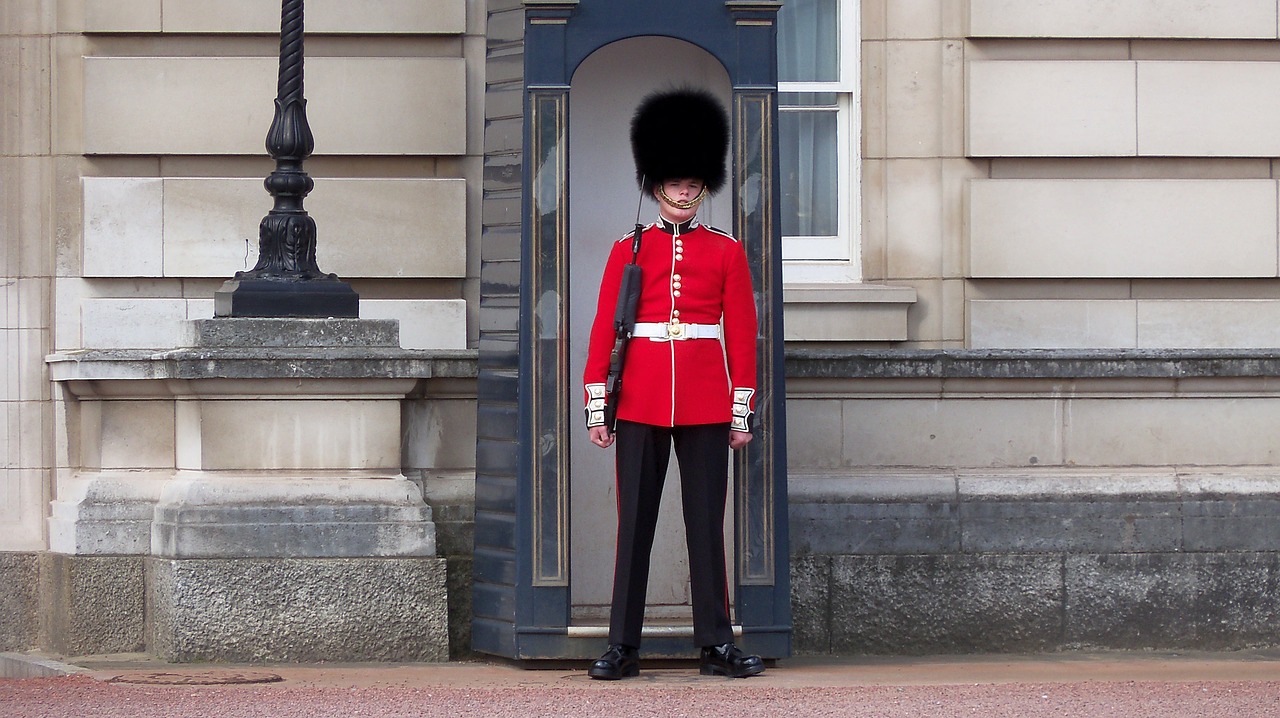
642 454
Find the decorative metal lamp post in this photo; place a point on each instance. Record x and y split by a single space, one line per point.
286 281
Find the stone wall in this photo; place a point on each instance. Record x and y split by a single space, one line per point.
1184 566
974 501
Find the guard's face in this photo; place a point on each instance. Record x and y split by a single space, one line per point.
678 199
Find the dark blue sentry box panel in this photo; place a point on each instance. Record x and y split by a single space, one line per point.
521 570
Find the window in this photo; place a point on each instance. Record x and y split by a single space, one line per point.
818 135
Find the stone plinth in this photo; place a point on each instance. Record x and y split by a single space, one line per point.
263 463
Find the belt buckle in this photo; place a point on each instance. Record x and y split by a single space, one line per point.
675 330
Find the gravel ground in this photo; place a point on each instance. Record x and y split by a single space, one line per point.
80 696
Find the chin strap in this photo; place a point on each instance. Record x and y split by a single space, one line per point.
683 205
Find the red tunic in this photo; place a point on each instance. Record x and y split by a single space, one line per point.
693 274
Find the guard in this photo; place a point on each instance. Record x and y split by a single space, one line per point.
677 318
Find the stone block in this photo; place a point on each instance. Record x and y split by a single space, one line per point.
1208 109
913 432
440 433
223 105
1201 431
9 392
1231 524
1170 601
112 16
459 596
856 527
299 610
945 603
215 515
1070 527
1051 109
105 513
24 197
19 601
810 604
137 435
833 312
913 19
815 432
226 332
394 228
1053 324
914 200
33 386
913 99
1133 228
412 17
26 83
1183 19
23 498
296 434
134 323
26 301
424 323
451 495
92 604
1208 323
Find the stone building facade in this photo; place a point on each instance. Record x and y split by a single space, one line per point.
1031 371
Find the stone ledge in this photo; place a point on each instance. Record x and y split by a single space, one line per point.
846 312
801 363
263 363
1032 363
34 665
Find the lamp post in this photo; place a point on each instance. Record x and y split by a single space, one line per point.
286 281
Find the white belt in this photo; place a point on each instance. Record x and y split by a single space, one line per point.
664 331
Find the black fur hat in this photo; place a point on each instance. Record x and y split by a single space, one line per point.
680 133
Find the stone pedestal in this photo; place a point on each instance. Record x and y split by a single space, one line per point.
258 475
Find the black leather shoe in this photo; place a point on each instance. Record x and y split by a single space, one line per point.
728 660
618 662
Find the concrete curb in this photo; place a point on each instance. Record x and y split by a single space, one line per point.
28 665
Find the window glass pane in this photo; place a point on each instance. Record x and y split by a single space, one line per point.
809 41
807 153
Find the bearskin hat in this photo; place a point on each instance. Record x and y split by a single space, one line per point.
680 133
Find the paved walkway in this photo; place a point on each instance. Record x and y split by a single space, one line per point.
1234 685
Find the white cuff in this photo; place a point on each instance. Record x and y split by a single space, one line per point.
742 409
595 405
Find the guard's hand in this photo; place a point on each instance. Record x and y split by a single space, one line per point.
739 439
601 437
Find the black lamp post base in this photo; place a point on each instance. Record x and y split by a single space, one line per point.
312 298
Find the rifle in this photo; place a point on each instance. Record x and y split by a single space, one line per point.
624 322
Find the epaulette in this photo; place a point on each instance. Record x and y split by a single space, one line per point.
721 232
627 237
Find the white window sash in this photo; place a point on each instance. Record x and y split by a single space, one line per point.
838 258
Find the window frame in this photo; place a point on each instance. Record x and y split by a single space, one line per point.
838 258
